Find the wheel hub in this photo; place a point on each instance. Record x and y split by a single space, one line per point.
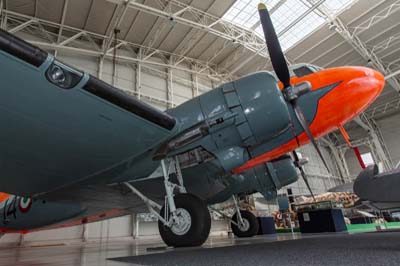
244 226
182 223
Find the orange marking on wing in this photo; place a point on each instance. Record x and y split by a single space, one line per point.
4 196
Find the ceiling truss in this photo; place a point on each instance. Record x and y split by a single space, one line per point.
16 22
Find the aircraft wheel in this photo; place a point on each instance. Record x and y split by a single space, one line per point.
250 224
192 226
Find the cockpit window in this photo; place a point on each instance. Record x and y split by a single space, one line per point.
302 71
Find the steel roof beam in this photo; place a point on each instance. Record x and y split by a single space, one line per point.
271 11
64 13
151 37
360 47
118 17
286 29
391 75
22 26
248 39
333 33
128 59
187 46
380 16
211 70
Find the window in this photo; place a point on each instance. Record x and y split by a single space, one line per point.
293 20
302 71
367 159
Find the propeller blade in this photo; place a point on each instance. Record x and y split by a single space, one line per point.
304 125
274 48
303 174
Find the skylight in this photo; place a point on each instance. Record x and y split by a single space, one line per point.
293 19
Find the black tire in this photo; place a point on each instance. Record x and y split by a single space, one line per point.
252 222
200 223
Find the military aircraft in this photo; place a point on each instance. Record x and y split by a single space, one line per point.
378 191
77 150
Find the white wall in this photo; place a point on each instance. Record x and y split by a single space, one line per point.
389 127
117 228
153 79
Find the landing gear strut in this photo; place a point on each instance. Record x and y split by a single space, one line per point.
184 220
243 223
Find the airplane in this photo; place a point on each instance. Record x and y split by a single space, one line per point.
379 191
76 149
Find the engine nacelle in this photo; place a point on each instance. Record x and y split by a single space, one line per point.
266 178
262 104
227 120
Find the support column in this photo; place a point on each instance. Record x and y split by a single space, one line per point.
21 239
133 225
85 232
3 15
213 85
170 88
381 148
138 75
137 224
138 80
100 67
195 82
381 152
338 161
343 161
374 152
195 85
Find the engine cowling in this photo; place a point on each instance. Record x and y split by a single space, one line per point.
231 118
266 178
262 110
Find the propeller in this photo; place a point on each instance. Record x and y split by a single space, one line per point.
291 92
274 48
303 174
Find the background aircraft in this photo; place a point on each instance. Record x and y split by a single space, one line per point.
77 149
378 190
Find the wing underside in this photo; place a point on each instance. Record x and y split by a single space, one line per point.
60 126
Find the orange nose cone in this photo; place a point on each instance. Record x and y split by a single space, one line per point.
361 89
376 83
357 88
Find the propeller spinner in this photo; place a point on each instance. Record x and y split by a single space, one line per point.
291 92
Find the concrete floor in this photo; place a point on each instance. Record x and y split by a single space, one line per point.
381 248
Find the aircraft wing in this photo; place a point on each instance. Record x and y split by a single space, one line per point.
346 187
60 125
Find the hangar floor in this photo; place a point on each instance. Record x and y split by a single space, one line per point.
377 248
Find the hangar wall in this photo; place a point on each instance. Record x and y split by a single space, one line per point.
149 83
124 227
389 126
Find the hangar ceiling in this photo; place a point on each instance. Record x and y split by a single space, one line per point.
205 34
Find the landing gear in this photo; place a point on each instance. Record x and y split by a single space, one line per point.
192 222
184 220
243 223
248 227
